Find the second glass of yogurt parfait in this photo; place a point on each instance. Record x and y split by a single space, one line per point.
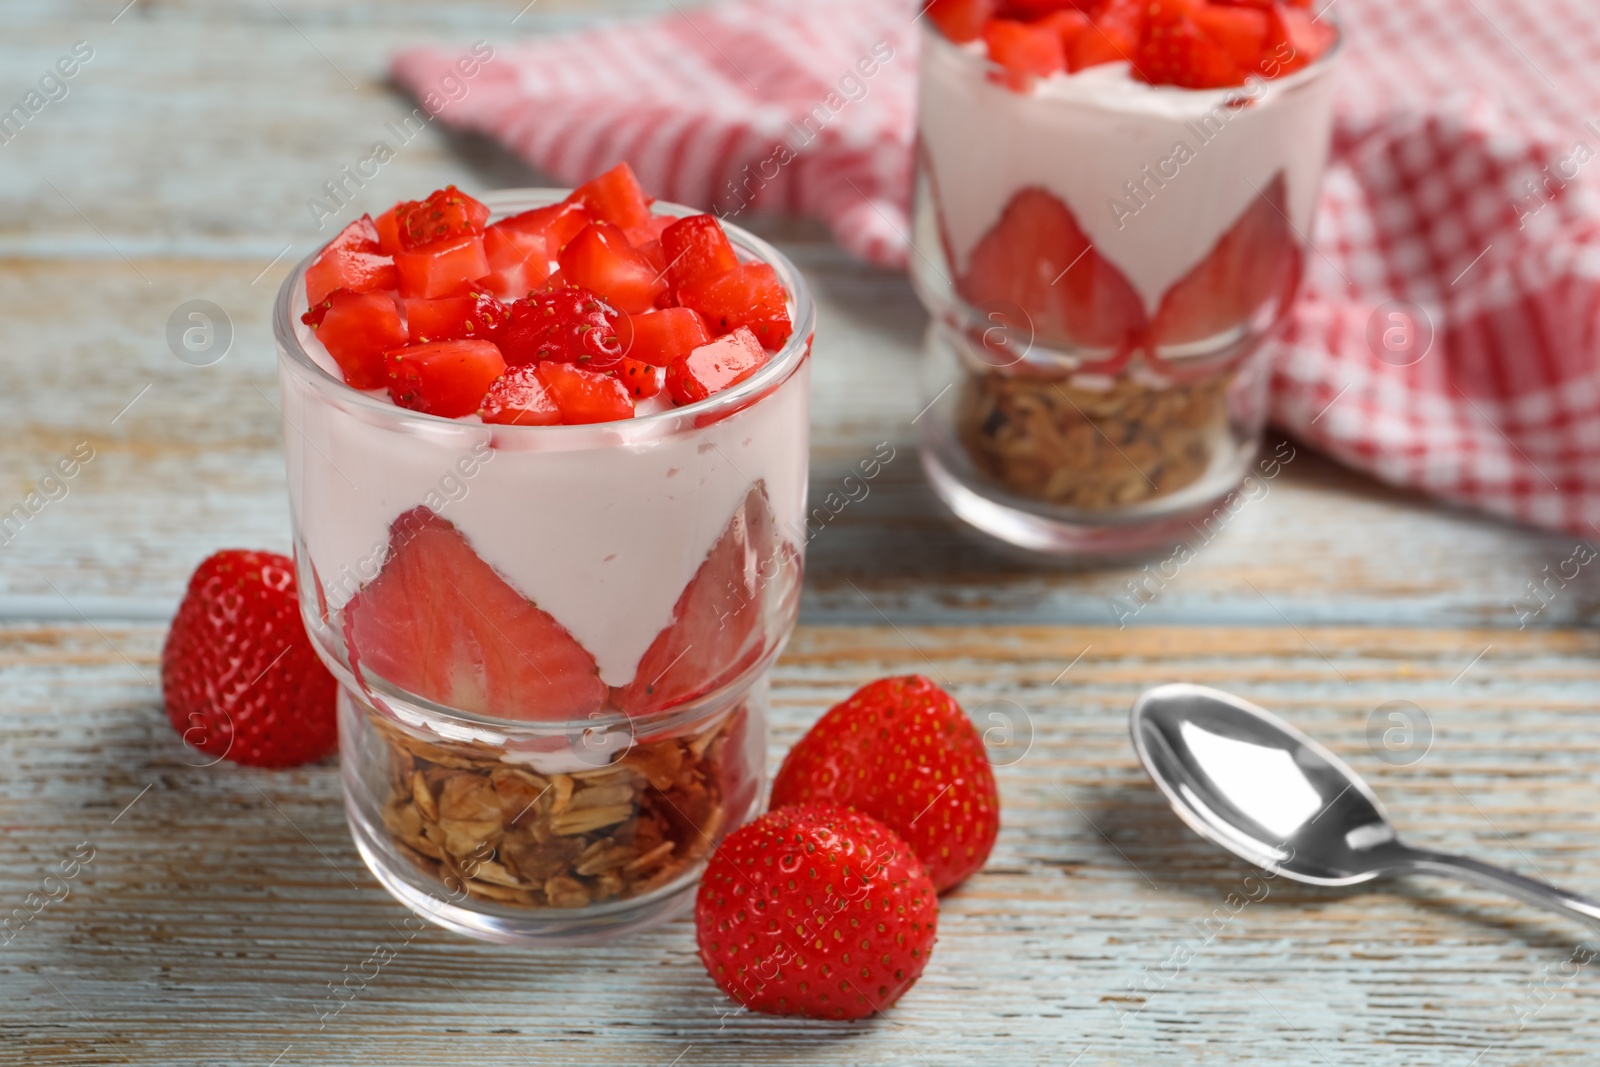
552 641
1102 258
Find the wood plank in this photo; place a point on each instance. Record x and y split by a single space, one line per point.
219 905
195 464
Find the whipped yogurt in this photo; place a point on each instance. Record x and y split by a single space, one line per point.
1108 146
602 526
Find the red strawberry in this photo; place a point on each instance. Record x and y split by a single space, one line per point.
568 325
585 396
1175 51
960 20
520 398
902 751
696 247
601 259
1037 258
642 379
1026 50
749 295
238 673
357 329
445 378
447 213
615 196
1256 259
439 622
815 910
1241 31
743 591
715 366
443 268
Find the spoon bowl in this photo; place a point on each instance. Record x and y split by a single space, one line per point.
1244 779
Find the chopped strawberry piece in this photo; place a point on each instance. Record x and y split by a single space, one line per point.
1069 24
960 20
567 325
1295 39
342 268
1256 259
584 395
750 295
641 378
388 227
639 236
357 329
1176 52
600 259
474 317
1038 259
715 366
1026 50
360 236
444 268
557 224
657 258
662 336
446 214
518 260
1118 28
446 378
615 197
519 398
696 247
441 623
1036 10
742 593
1240 31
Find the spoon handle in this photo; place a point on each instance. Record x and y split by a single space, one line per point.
1426 861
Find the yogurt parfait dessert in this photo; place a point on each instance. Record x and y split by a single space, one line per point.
547 466
1114 199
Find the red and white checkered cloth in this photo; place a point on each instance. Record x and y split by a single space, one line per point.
1463 180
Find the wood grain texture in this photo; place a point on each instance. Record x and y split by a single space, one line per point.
220 904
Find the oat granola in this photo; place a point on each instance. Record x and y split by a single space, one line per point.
511 835
1093 448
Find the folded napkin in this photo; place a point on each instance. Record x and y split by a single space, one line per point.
1447 337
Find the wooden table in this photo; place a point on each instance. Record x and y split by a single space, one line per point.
220 902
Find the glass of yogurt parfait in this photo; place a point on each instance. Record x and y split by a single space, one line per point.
1112 208
547 543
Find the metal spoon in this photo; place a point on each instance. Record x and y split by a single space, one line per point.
1248 781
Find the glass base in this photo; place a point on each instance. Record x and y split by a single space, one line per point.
1040 528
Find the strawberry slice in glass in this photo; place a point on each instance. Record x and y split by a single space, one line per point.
750 295
446 378
444 268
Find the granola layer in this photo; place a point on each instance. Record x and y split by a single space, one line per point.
1048 439
466 813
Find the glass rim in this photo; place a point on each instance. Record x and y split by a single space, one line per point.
504 202
1317 66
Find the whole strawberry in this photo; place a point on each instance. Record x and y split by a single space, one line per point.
238 673
902 751
815 910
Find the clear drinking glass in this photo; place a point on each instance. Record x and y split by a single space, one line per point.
551 641
1102 260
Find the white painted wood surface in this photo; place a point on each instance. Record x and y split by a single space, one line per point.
218 906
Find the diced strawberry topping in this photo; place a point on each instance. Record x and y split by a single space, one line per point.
357 329
441 623
1295 39
557 224
1176 52
446 214
696 247
662 336
1038 259
518 260
600 259
1241 32
960 20
1256 259
749 295
343 268
360 236
388 227
720 624
1026 50
642 379
519 398
1069 24
584 395
446 378
616 197
716 366
567 325
444 268
1118 28
476 316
